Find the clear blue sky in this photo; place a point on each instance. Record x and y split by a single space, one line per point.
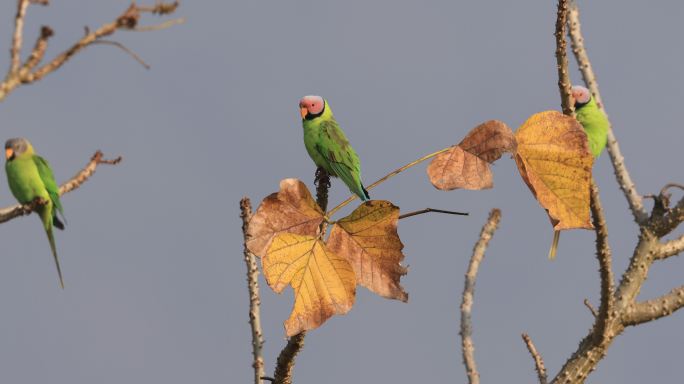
152 257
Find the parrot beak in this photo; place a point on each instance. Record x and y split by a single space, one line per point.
9 153
303 111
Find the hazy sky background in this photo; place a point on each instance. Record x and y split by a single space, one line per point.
152 254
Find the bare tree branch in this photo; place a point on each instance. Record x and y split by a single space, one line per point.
604 256
27 74
18 35
634 200
538 362
286 359
671 248
254 298
654 309
564 83
467 345
81 177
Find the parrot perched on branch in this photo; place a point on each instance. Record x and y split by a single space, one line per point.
30 178
595 124
328 146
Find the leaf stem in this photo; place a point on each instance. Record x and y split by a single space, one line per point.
428 210
385 178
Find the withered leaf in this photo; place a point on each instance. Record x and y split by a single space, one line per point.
292 209
466 165
324 283
368 238
554 160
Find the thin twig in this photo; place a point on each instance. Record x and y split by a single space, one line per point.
17 210
634 200
254 297
160 8
671 185
386 177
427 210
467 345
538 362
160 26
591 307
604 256
134 55
18 35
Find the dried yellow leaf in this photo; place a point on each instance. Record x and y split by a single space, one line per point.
368 238
324 283
554 160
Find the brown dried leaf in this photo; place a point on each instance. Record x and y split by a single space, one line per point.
324 283
368 238
466 165
489 140
554 160
292 209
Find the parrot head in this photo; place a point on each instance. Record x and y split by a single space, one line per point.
311 107
581 95
17 147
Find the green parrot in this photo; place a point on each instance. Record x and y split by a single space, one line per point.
328 146
595 124
30 178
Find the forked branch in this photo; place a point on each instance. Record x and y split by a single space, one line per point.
619 307
27 73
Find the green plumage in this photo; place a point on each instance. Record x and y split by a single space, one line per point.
595 124
329 148
30 178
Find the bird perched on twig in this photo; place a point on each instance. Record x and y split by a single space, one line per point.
30 178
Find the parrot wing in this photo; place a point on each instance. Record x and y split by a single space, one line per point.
341 157
48 178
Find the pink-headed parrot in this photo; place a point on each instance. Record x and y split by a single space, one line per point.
328 146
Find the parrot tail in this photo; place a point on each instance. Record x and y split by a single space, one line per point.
365 193
51 239
554 245
56 222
